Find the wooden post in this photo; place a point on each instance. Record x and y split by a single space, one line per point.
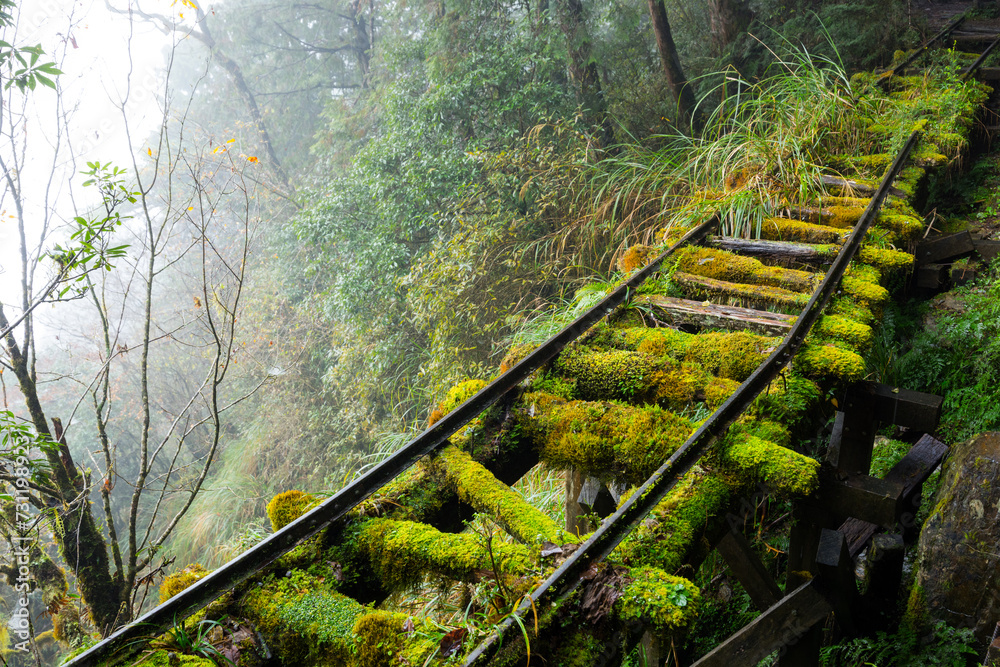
883 574
749 570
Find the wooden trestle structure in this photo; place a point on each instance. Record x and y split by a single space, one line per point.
786 333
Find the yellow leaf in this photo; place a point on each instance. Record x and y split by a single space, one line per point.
251 159
230 141
149 152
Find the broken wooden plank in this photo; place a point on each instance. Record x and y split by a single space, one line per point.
749 570
944 247
912 471
704 315
850 188
781 626
777 251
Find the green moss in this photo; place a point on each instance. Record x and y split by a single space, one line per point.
632 376
607 374
851 310
749 295
828 360
161 658
609 439
178 581
303 621
906 227
402 553
790 399
384 640
730 355
869 295
722 265
636 257
657 599
782 229
838 328
289 506
457 395
674 531
842 217
781 469
485 493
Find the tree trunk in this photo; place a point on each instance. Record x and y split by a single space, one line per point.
679 86
582 68
81 543
727 19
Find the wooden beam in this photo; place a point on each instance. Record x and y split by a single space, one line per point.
912 471
749 569
875 500
944 247
783 625
895 405
777 251
988 249
883 574
703 315
837 570
963 275
930 276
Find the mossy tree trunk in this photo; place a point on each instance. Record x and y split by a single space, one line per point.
679 85
66 492
582 67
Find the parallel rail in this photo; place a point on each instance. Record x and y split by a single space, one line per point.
567 578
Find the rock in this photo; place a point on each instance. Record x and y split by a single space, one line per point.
959 573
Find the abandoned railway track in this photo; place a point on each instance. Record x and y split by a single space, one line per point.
757 332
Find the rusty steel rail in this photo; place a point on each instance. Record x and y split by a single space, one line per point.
567 578
127 639
947 30
980 60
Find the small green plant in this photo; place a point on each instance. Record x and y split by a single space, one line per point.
193 640
944 647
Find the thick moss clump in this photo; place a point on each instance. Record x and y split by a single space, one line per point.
178 581
608 374
730 355
636 257
457 395
165 658
674 531
660 342
303 620
657 599
781 469
744 294
837 328
479 488
782 229
289 506
829 360
885 259
385 641
402 553
722 265
905 226
789 399
636 377
608 439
